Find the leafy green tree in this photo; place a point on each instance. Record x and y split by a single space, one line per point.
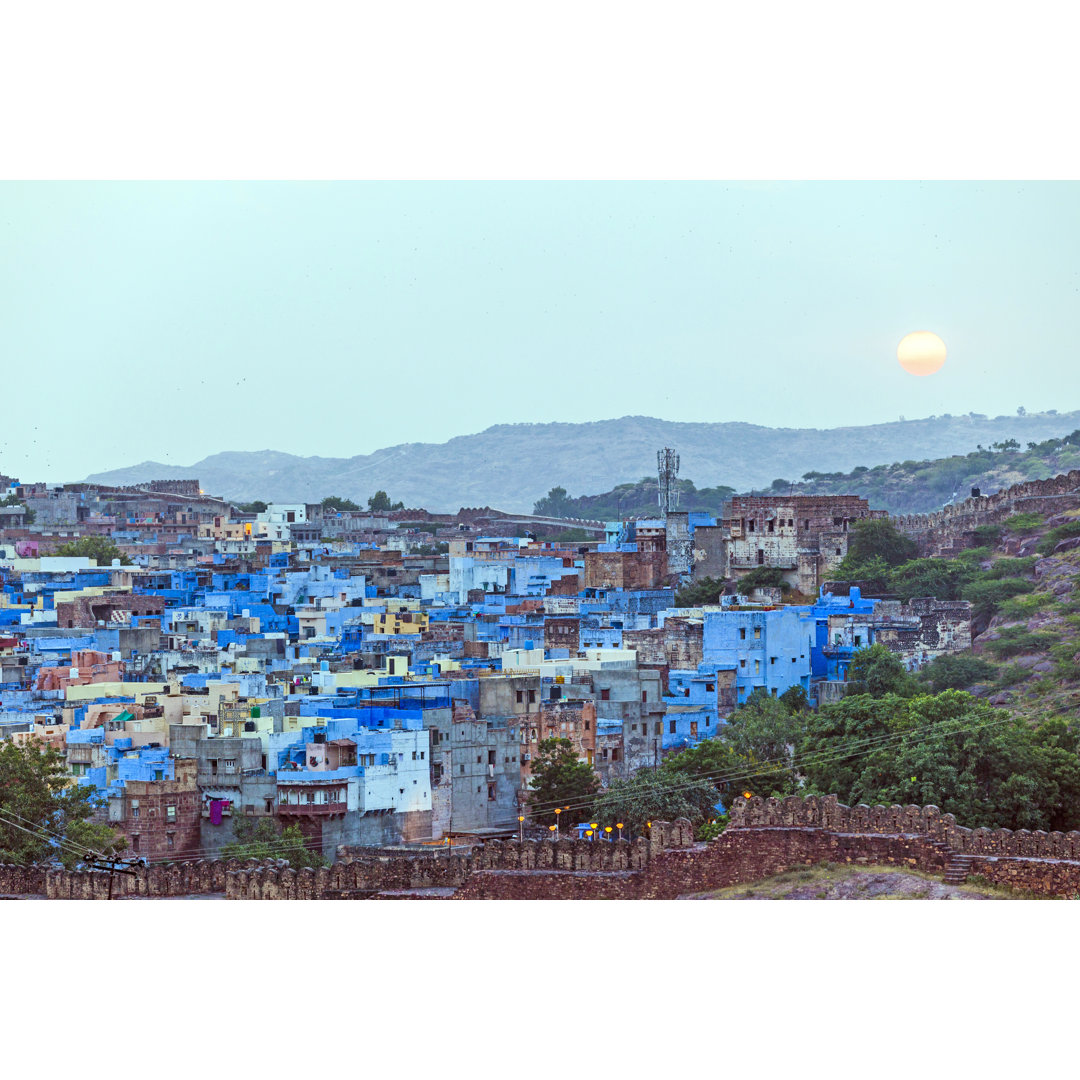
256 507
260 839
762 577
987 596
706 591
336 502
714 761
655 794
795 699
766 731
380 501
879 538
44 815
940 578
956 671
877 671
559 779
92 547
555 503
950 749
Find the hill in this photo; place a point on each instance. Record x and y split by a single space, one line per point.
511 466
904 487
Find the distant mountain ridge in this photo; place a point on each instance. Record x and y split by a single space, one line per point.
510 466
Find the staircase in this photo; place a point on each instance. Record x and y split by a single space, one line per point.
957 868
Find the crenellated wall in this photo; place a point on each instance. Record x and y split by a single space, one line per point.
179 879
935 532
764 837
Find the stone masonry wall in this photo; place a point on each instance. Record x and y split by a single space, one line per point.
936 532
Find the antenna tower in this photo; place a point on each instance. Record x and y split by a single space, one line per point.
667 468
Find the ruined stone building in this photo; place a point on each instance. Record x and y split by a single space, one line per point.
805 536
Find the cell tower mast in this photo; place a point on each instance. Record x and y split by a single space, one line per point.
667 468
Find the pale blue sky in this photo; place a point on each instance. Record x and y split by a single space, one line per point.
173 320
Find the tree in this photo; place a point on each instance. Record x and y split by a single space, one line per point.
554 504
559 779
956 671
714 761
706 591
260 839
44 816
381 501
765 731
104 551
877 537
770 577
654 794
336 502
877 671
256 507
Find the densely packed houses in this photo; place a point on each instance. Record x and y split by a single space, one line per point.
387 678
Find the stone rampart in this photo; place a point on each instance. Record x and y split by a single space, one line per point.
1051 496
178 879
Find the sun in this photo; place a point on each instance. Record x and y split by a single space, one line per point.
921 353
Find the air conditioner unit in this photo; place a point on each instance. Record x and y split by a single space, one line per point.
526 757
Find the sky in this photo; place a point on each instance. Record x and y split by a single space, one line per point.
171 320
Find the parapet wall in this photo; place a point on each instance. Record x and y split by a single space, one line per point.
179 879
827 812
765 837
1053 495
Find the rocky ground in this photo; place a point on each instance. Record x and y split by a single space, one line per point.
832 882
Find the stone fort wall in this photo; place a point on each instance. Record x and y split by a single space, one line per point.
765 837
936 532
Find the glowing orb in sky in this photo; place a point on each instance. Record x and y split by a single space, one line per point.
921 353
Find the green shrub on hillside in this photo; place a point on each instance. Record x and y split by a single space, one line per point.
1062 532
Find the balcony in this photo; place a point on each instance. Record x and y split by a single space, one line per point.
311 809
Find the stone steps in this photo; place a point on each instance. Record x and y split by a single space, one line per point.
957 868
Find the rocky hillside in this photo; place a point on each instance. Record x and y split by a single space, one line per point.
1033 640
511 466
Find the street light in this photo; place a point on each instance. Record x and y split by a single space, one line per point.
521 830
555 827
618 825
588 833
607 829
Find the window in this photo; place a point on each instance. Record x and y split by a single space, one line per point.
693 729
858 639
491 757
757 667
710 687
461 768
586 725
837 551
742 633
659 727
774 691
772 526
135 842
751 525
605 695
491 792
757 633
671 727
603 754
686 691
170 813
479 761
520 696
806 523
134 810
760 556
772 659
213 767
532 696
269 805
169 840
421 755
230 765
742 662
